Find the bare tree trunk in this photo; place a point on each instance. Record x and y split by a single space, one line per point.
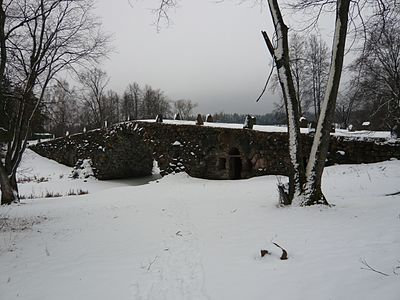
318 97
9 191
298 97
136 107
3 53
313 192
315 98
14 185
282 61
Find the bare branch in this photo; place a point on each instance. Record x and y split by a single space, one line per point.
162 11
266 83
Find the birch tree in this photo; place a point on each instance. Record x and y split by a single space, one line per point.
280 55
319 150
312 192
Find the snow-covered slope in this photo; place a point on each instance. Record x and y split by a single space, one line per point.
187 238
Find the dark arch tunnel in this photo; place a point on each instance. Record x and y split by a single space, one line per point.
235 164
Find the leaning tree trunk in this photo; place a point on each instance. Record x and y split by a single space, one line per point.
316 163
282 61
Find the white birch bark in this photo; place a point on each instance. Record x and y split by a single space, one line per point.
313 193
281 57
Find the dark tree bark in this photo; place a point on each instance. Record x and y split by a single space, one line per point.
3 54
9 191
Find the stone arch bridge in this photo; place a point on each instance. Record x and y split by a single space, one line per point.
128 150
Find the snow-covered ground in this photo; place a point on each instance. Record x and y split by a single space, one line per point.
185 238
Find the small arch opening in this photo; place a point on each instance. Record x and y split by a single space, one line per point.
235 164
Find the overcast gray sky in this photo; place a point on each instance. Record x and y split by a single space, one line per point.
212 53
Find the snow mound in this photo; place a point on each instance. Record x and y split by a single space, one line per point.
83 169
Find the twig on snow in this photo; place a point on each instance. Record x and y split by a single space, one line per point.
368 267
47 251
396 269
151 263
284 255
393 194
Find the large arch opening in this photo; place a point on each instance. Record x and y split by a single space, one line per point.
235 164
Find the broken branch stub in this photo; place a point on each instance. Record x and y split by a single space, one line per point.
284 255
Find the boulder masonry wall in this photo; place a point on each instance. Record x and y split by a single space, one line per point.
114 153
128 150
